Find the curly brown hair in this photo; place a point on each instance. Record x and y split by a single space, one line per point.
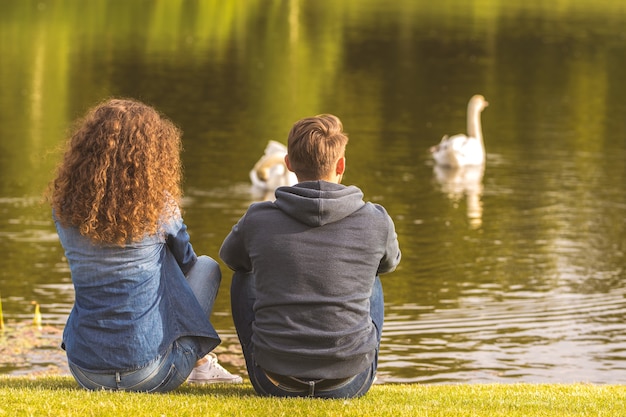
120 173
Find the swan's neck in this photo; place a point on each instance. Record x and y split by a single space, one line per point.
474 128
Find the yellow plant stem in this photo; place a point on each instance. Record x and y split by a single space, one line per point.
1 316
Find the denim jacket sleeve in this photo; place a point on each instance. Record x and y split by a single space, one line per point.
177 240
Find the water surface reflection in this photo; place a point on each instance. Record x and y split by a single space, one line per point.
532 337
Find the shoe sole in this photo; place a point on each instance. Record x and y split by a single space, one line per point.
215 381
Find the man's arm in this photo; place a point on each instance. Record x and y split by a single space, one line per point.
392 256
233 251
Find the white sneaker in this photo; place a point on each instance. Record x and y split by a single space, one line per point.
212 372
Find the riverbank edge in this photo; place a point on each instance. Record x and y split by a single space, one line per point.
59 395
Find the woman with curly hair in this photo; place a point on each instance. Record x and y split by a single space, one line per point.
143 298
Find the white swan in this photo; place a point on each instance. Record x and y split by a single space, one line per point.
270 172
463 150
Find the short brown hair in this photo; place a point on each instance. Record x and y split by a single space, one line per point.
120 174
314 144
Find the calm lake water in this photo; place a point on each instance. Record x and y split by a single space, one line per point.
516 276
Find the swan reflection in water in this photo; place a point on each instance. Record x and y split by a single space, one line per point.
461 182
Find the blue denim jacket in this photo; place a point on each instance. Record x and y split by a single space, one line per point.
131 302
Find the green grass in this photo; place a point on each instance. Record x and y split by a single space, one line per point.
60 396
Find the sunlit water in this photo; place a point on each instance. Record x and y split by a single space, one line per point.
514 274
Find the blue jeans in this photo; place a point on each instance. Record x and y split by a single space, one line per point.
243 295
168 371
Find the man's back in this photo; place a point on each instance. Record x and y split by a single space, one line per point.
306 298
315 253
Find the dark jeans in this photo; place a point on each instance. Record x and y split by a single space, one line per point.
243 295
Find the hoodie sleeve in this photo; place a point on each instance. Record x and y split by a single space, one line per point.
233 251
392 256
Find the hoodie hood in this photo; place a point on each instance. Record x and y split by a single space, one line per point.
316 203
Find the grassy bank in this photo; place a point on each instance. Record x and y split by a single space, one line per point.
48 396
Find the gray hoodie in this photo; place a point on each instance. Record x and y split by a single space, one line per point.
314 253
